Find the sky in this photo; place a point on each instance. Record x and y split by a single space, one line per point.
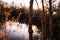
26 3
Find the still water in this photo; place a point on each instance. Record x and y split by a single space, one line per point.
19 31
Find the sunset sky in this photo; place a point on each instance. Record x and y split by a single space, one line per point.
26 3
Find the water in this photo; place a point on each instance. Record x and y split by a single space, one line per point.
19 31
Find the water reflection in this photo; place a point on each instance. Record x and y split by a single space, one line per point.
19 31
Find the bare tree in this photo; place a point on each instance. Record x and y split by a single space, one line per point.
50 13
30 20
44 22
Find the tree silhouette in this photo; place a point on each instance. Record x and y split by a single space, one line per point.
50 13
30 20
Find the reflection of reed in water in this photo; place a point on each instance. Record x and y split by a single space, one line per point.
3 32
20 31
